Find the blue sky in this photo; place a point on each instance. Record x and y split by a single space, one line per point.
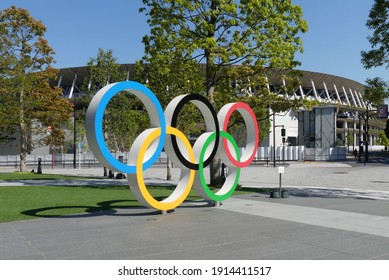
77 28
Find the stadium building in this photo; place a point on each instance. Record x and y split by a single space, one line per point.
326 132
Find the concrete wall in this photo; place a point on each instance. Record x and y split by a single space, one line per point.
288 120
317 128
325 154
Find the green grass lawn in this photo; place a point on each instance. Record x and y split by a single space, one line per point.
27 202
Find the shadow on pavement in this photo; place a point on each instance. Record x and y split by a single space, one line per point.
108 208
104 208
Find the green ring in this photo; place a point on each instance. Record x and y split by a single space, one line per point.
209 193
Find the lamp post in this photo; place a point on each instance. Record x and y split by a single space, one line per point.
353 138
360 138
366 135
274 139
74 132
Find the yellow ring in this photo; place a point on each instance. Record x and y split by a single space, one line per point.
165 204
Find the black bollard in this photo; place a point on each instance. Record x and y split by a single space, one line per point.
120 175
223 174
39 171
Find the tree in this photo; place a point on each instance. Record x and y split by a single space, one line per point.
383 139
168 76
349 140
378 21
124 118
387 128
376 91
29 103
218 35
103 70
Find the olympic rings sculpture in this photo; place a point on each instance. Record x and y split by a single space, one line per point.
163 134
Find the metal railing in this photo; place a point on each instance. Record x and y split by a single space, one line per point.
60 161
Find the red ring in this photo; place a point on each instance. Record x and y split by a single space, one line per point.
244 106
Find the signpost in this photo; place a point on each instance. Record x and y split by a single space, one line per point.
281 170
279 193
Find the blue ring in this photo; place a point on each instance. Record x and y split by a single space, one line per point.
115 89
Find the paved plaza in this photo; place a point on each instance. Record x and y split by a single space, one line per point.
334 211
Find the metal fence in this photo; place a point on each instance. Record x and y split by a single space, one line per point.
48 160
281 153
264 154
84 160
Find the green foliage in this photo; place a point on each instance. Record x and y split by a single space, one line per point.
29 103
125 116
195 47
349 139
252 34
383 139
376 91
387 128
103 70
378 22
169 76
209 46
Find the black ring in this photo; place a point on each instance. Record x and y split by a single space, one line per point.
181 103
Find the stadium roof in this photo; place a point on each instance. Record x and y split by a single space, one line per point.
323 87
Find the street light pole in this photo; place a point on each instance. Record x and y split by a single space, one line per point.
360 138
353 138
74 132
367 136
274 139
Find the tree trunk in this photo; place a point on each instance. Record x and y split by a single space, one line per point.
210 86
23 136
214 170
215 163
23 159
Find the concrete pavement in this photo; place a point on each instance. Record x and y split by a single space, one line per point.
335 211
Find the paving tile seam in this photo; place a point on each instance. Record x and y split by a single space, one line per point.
72 253
29 242
381 256
346 251
320 256
331 255
132 249
312 216
298 207
363 193
146 255
335 251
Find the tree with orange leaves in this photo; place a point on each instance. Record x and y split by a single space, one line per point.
28 103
